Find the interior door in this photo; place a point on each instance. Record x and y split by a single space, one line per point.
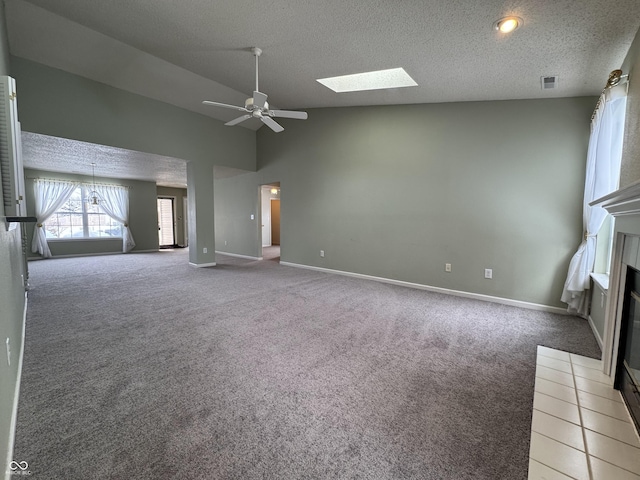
275 222
166 222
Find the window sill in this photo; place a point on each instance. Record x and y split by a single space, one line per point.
88 239
602 279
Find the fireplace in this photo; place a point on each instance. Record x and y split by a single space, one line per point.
628 362
621 340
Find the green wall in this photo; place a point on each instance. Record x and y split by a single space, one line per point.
4 44
398 191
143 216
12 301
57 103
236 199
178 194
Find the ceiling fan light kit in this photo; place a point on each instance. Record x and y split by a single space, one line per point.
258 107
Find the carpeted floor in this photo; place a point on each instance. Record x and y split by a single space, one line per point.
140 366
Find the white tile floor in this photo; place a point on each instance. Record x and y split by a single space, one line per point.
580 428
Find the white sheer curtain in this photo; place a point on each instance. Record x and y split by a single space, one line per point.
50 196
115 203
602 177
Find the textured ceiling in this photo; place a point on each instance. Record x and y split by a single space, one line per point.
185 52
448 47
42 152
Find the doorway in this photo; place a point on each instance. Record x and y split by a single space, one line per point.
270 211
166 222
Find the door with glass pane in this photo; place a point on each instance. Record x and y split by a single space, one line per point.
166 222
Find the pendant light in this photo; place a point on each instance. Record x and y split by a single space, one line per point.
93 199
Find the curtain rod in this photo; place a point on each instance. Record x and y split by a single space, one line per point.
615 78
78 182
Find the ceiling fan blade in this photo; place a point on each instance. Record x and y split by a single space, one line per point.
224 105
288 114
259 99
238 120
272 124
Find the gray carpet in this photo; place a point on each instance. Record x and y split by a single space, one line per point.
140 366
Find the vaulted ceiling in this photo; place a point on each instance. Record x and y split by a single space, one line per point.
185 52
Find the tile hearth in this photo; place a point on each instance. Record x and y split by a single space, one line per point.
580 427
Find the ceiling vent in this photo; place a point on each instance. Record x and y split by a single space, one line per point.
549 82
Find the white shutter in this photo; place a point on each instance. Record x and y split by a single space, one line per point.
11 169
21 210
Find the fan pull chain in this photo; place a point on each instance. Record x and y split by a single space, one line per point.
257 89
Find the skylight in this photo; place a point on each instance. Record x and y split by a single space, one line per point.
378 80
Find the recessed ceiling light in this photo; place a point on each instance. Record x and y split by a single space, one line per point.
508 24
378 80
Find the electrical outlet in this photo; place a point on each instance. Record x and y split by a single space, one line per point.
225 243
447 267
488 273
205 250
322 253
253 216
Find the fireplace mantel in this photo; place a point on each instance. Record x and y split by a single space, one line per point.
625 201
624 205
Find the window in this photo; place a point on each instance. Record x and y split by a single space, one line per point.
77 218
604 246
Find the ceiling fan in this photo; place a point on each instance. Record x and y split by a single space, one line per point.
257 106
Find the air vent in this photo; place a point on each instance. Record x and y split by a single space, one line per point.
549 82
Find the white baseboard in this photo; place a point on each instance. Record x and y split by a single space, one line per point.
202 265
16 394
419 286
595 332
74 255
238 255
